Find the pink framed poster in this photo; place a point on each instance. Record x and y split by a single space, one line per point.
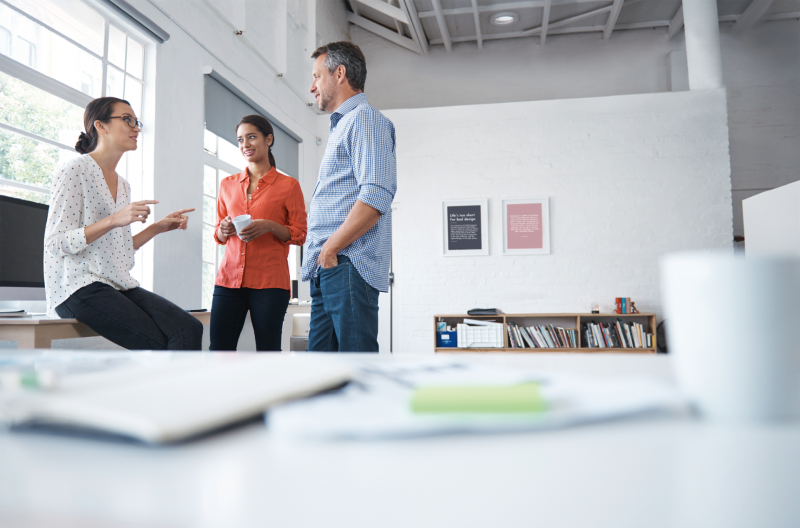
526 226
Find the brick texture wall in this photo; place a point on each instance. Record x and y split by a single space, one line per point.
629 178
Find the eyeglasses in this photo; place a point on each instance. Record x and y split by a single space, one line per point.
131 122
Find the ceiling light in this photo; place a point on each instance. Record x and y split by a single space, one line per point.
504 19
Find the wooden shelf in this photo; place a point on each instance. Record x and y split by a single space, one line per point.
571 321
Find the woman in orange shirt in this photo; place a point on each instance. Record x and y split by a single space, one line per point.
254 275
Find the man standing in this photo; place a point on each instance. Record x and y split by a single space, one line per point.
348 244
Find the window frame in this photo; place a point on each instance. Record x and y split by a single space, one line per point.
42 81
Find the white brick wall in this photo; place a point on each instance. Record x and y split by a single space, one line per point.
629 179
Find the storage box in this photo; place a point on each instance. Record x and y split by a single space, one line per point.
446 339
480 336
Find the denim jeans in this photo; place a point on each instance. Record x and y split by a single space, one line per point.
344 311
135 319
229 310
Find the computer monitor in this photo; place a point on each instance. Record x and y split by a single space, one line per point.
22 225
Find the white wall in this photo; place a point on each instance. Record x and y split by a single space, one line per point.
629 179
761 71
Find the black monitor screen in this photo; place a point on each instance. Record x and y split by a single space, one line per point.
22 225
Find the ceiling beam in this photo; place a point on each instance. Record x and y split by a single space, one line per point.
384 32
530 32
783 16
397 24
754 12
545 22
437 7
555 29
477 14
676 24
415 26
570 20
387 9
484 9
616 7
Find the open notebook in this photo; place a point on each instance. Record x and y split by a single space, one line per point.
160 397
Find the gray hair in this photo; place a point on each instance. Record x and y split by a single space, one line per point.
348 55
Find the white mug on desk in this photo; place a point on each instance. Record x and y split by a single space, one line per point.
732 325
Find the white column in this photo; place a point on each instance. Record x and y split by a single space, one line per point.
701 23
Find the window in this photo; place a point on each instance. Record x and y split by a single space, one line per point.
25 52
5 41
89 56
220 157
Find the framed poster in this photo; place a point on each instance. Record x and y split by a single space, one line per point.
526 226
465 228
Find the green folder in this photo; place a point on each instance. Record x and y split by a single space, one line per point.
523 398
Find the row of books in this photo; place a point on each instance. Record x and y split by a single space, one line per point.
617 334
541 336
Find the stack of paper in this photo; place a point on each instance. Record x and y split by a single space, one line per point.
383 401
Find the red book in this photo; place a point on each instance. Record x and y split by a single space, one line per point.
618 302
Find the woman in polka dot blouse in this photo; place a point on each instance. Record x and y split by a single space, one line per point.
89 249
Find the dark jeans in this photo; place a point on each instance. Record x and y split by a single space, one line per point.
135 319
344 311
229 310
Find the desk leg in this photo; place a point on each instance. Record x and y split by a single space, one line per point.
32 338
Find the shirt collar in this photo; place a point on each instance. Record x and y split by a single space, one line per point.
268 178
347 106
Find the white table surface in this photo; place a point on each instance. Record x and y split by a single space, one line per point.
648 472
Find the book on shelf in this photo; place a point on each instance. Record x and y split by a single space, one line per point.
617 334
541 336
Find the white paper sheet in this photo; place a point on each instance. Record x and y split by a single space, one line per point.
378 403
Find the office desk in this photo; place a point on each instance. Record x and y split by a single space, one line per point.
39 331
650 472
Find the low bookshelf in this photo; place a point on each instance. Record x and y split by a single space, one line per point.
571 321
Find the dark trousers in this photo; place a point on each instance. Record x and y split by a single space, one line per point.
135 319
229 310
344 311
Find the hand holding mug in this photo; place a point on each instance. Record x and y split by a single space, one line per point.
226 228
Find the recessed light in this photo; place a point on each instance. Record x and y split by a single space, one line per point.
504 19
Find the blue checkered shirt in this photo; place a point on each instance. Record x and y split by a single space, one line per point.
359 164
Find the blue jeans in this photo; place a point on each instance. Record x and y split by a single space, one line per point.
229 309
344 311
135 319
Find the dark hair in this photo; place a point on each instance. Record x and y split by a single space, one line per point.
263 126
99 109
348 55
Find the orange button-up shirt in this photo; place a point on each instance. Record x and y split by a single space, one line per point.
262 262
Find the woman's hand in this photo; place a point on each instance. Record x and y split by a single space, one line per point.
135 212
226 229
174 220
256 229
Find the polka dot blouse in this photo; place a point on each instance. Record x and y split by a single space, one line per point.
80 197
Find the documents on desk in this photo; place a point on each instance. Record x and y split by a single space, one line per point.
380 401
156 397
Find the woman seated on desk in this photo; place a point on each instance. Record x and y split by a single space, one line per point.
89 250
254 275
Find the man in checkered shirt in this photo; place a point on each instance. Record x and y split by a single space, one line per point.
348 246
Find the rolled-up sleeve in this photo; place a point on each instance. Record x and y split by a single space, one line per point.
374 162
296 216
64 234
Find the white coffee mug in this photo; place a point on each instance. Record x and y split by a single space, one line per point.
732 328
240 222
